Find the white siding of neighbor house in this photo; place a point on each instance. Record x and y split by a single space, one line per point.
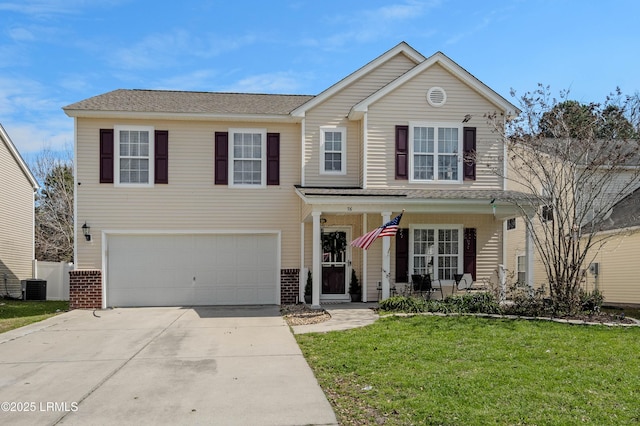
334 111
409 103
191 201
16 222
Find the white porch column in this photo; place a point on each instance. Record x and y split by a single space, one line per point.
317 261
302 276
363 274
529 255
386 258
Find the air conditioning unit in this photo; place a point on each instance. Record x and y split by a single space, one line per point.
594 268
34 289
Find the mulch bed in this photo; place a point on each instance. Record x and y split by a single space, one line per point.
302 314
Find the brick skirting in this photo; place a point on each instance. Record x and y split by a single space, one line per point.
289 284
85 289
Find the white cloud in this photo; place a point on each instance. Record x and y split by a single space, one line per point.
46 8
174 47
199 80
53 133
277 82
372 24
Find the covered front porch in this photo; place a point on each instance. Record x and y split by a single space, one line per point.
442 233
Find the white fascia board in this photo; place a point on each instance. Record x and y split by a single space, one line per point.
402 47
358 110
183 116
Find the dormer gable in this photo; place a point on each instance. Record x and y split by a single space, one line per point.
401 48
507 108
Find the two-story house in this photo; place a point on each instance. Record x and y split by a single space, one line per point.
17 188
191 198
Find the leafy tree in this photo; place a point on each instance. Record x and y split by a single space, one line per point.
54 207
572 176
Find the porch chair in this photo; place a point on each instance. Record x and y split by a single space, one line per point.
423 285
462 282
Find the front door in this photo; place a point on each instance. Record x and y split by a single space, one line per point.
335 264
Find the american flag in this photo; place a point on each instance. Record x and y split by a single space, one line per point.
389 229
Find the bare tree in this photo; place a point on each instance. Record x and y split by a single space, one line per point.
574 162
54 206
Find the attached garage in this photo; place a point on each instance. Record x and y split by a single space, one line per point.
192 269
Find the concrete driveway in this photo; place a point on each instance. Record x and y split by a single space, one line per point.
202 365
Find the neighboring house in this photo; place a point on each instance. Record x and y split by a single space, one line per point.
615 269
615 236
194 198
17 187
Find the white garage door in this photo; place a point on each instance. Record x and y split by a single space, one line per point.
185 270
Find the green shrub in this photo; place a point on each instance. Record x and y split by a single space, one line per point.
591 302
474 303
403 304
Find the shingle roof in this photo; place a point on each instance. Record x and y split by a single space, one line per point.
425 194
164 101
625 213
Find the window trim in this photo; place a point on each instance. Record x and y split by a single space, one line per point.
436 154
521 255
263 157
436 228
343 151
116 150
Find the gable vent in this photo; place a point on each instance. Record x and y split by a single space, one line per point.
436 96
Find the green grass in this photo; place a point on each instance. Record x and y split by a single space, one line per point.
431 370
18 313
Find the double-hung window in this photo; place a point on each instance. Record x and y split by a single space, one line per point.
333 144
134 146
435 152
436 250
247 157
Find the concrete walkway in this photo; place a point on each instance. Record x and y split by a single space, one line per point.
157 366
343 317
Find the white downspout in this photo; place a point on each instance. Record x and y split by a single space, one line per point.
365 137
303 130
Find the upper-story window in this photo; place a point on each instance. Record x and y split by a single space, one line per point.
435 152
247 156
134 153
333 144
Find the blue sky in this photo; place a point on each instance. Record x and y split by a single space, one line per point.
56 52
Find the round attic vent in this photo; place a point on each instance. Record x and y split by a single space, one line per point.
436 96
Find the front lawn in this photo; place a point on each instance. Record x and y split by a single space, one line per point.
18 313
465 370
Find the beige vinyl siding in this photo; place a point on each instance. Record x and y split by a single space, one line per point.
191 201
619 270
16 223
333 112
408 103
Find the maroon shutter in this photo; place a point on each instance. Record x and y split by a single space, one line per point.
162 156
221 158
273 158
106 156
469 159
402 152
402 255
469 252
